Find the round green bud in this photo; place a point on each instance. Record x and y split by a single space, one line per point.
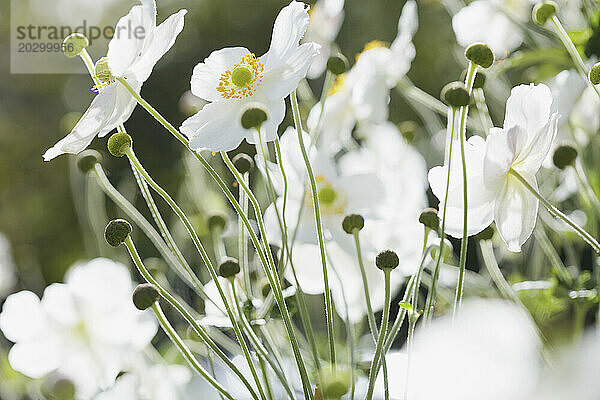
217 221
480 54
87 160
144 296
119 143
352 223
335 383
337 64
253 118
265 287
486 234
408 129
243 163
74 44
429 218
57 387
229 268
117 231
455 94
543 11
564 156
595 74
387 259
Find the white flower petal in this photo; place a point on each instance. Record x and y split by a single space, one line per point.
515 211
205 78
531 158
275 114
529 107
35 358
216 127
22 317
502 147
59 305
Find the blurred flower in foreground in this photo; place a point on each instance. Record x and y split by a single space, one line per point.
490 351
86 329
362 94
131 56
494 193
494 22
7 267
233 79
326 18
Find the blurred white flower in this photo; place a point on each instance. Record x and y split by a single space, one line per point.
492 22
86 329
326 18
132 56
494 193
362 94
7 267
490 351
233 79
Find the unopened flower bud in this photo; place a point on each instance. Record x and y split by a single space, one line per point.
74 44
595 74
387 259
486 234
229 268
58 388
564 156
117 231
144 296
429 218
335 382
217 221
337 64
253 118
480 54
455 94
119 143
87 160
543 11
408 129
352 223
243 163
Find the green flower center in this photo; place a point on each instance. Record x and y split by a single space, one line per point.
327 195
241 76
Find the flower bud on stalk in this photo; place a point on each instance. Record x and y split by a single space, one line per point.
87 160
119 143
243 163
564 156
429 218
337 64
387 260
335 383
480 54
543 11
144 296
229 268
408 130
594 74
352 223
117 231
253 118
217 221
58 388
456 95
74 44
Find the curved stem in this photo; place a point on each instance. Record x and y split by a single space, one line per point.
318 222
186 353
557 213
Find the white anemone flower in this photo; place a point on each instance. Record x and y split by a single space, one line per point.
233 79
326 18
489 351
7 267
86 329
132 54
495 194
492 22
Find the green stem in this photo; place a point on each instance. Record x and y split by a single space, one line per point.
484 112
572 50
557 213
382 335
431 295
464 111
205 258
316 133
317 211
186 353
243 240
